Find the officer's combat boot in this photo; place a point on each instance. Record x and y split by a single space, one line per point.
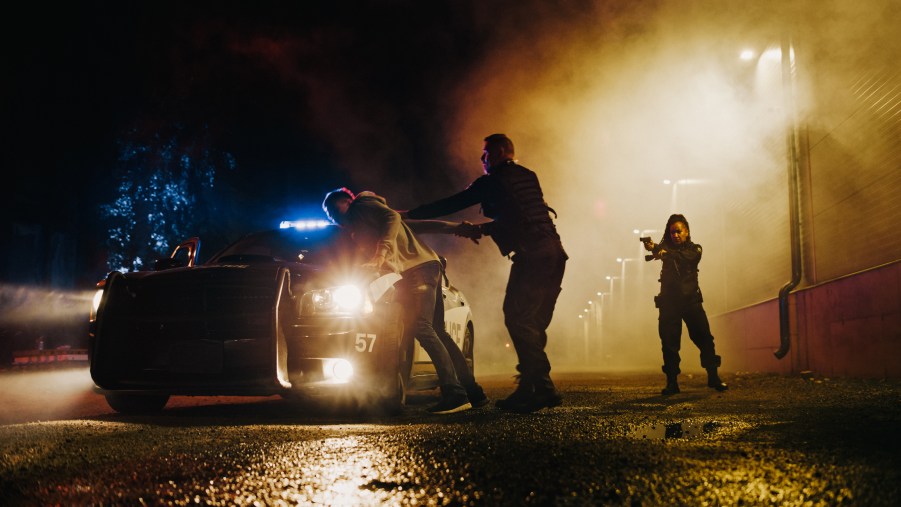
544 395
714 382
523 392
672 387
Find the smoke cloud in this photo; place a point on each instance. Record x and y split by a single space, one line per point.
628 112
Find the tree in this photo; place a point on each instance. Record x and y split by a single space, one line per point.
166 179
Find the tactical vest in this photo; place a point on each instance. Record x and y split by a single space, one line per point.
522 221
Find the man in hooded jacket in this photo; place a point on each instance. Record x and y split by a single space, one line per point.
393 247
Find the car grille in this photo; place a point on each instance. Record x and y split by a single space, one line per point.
205 309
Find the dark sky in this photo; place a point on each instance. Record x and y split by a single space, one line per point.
307 96
288 88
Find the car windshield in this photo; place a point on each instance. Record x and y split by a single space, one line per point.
311 246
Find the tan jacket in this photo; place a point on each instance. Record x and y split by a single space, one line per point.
378 229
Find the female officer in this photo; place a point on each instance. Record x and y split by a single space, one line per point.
680 300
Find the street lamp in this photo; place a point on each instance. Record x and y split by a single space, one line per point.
586 326
623 261
593 325
622 276
643 233
684 181
611 278
599 309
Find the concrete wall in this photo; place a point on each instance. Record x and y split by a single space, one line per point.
850 327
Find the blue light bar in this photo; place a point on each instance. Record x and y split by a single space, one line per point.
304 225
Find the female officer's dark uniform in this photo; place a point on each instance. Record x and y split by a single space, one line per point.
680 300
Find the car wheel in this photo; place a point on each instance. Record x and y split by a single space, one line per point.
393 404
137 403
468 348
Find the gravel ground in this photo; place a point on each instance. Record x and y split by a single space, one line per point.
769 440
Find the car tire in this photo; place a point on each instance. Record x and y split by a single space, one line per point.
393 404
136 403
468 348
392 395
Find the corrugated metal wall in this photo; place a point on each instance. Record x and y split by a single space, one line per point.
850 154
855 175
758 243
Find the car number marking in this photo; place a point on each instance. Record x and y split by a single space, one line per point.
456 331
360 343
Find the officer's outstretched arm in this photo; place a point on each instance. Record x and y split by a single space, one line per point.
431 226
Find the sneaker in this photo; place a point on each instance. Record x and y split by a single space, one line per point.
451 405
477 397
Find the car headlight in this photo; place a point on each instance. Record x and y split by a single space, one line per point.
342 300
95 304
338 370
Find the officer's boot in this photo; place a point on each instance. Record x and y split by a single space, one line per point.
672 387
714 382
545 395
523 392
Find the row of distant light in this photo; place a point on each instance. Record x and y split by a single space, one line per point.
303 225
621 260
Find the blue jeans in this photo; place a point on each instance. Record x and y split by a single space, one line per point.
457 358
419 292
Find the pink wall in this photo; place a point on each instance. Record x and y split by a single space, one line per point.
848 327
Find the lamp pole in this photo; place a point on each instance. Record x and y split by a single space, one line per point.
599 322
611 279
682 182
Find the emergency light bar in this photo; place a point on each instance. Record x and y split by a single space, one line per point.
303 225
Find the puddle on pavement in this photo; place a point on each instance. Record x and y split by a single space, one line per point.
684 430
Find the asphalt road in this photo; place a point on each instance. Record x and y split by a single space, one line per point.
769 440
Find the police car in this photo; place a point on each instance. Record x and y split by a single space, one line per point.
284 311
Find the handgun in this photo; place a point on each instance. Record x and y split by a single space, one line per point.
647 239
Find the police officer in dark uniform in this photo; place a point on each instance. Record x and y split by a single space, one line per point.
680 300
523 230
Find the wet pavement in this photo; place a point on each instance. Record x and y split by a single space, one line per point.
615 441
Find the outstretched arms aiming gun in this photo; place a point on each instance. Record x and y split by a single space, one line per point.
657 251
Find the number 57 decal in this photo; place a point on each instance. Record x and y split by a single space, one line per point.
364 342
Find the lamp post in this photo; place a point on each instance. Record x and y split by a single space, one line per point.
622 276
611 279
599 322
623 261
643 233
585 331
682 182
